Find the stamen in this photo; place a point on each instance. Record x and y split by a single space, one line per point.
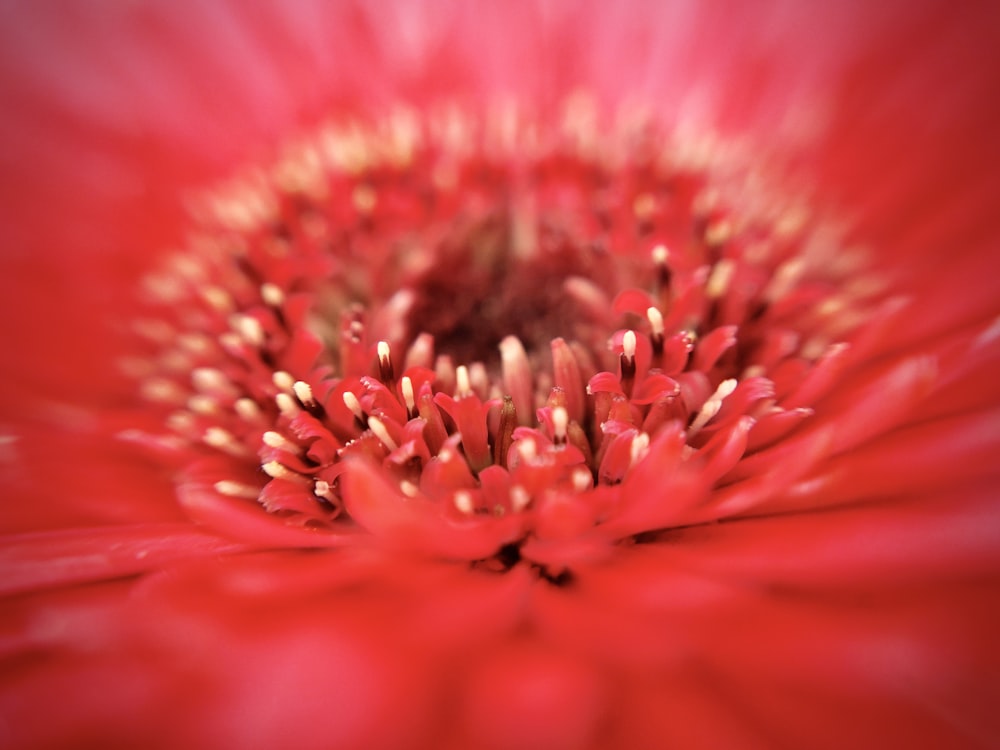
406 387
655 318
236 489
784 279
276 470
209 379
195 343
560 421
222 439
247 409
303 392
272 295
462 386
527 450
385 370
628 345
718 232
181 422
505 432
199 403
656 336
352 403
249 328
582 480
639 448
519 498
283 381
278 441
218 298
721 276
661 255
463 501
322 489
231 343
627 361
711 407
377 426
287 406
161 390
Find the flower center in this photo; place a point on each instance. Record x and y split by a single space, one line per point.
493 320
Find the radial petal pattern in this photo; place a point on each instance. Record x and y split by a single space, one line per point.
499 375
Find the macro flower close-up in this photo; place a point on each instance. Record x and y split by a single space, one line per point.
499 375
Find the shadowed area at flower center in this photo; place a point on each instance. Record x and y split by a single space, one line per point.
484 340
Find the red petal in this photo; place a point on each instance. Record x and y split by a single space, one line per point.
417 524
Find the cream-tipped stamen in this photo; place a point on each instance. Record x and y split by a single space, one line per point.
209 380
526 449
639 448
463 501
582 479
628 345
655 318
784 279
182 422
161 390
656 329
385 370
720 278
560 421
222 439
718 232
219 299
200 403
322 488
249 329
519 498
463 387
272 294
712 405
277 470
236 489
627 361
287 406
409 401
283 381
247 409
303 392
378 428
661 258
660 255
352 403
279 442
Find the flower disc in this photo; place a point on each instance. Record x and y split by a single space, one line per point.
489 340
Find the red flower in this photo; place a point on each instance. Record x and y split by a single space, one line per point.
552 377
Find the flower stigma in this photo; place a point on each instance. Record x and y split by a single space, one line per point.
494 339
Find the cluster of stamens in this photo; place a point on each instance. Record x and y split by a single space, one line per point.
496 319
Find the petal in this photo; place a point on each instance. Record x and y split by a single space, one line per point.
59 558
416 524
